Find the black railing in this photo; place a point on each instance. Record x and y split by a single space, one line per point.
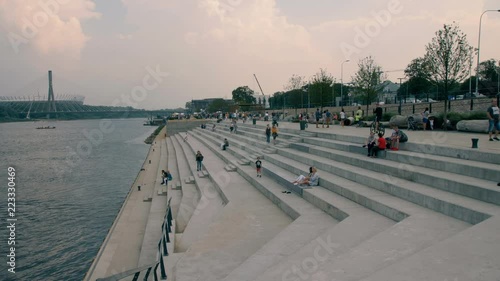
166 228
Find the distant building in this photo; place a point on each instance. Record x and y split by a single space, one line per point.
389 91
258 95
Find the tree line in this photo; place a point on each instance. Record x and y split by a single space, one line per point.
445 71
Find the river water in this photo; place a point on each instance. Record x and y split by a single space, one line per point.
70 185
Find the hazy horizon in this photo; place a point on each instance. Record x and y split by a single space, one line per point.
160 54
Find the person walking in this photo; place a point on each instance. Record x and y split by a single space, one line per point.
268 134
342 117
274 132
199 160
318 116
493 113
425 117
328 118
378 115
258 166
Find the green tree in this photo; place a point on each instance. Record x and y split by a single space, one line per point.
243 96
367 80
448 57
419 80
295 82
488 77
218 105
259 101
320 87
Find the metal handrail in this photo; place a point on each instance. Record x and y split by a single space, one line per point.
166 228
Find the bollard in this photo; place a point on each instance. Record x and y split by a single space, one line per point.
149 161
139 188
474 143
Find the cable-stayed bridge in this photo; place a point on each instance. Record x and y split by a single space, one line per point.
60 105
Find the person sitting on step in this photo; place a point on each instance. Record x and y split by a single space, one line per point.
312 179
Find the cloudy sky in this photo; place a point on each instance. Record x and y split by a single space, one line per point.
161 53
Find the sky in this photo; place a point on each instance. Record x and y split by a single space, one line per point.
156 54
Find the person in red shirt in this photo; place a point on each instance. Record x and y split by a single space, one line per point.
380 145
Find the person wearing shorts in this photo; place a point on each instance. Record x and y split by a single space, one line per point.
425 117
258 166
318 116
493 113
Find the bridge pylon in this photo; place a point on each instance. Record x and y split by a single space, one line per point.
51 100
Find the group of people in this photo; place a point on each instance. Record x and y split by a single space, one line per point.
375 145
271 131
328 117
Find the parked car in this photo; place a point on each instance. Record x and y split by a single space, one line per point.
428 100
412 100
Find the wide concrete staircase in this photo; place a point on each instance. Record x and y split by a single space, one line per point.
427 212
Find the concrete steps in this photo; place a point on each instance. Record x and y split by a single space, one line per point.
456 183
190 194
209 205
470 255
427 159
176 195
456 206
246 223
152 233
388 247
441 201
353 191
274 252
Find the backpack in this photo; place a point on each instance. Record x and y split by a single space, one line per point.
403 137
169 176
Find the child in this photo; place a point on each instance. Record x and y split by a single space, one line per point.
370 142
380 145
258 166
274 132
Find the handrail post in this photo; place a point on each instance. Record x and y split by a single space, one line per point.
162 269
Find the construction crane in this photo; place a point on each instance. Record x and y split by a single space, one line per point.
261 91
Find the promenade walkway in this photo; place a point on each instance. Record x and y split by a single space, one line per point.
121 250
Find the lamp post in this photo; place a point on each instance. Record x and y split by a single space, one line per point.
342 81
333 93
479 47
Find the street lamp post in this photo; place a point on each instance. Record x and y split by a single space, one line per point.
342 81
333 93
479 47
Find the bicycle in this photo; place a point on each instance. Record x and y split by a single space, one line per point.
374 130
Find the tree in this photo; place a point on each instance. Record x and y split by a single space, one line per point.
488 77
320 87
188 105
448 57
218 105
295 83
243 96
418 83
367 80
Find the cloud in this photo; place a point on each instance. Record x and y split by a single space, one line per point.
124 36
49 27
